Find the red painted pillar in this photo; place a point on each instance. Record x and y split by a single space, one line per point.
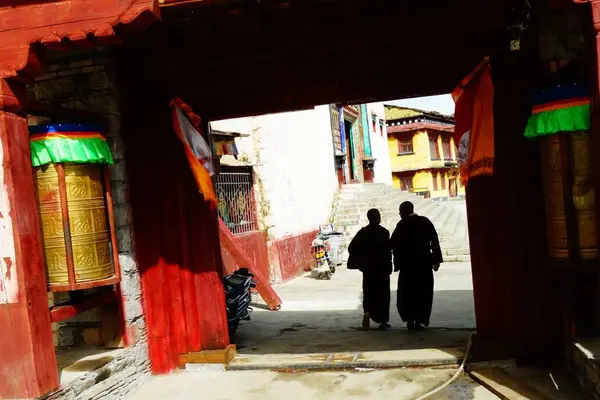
26 347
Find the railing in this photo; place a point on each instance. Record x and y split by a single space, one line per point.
236 201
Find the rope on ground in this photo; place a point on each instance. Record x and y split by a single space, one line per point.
461 368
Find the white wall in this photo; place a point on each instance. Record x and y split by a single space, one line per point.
296 165
379 144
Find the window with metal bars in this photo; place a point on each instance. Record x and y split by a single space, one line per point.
236 201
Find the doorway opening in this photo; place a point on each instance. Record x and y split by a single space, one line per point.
350 155
324 316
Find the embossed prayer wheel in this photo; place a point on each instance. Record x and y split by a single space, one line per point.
554 181
583 195
565 160
75 209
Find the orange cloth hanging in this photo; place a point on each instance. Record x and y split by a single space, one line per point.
197 151
474 128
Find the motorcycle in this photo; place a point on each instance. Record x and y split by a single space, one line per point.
238 296
323 251
323 267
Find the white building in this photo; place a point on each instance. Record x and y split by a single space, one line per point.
289 159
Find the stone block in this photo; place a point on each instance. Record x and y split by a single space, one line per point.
93 336
80 63
122 215
124 240
112 125
98 80
120 193
131 285
66 336
104 101
54 88
69 72
46 76
118 171
117 148
133 307
128 264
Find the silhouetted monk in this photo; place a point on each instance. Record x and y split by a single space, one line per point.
417 252
370 253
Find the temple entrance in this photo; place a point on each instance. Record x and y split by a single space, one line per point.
530 305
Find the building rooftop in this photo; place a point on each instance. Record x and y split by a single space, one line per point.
393 113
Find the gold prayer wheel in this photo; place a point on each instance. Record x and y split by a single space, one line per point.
554 156
554 181
76 226
583 195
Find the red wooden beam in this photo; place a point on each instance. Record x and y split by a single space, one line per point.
26 347
70 309
266 291
53 22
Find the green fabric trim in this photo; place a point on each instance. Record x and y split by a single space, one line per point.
572 119
60 150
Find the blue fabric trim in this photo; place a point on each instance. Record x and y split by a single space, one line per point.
562 91
51 128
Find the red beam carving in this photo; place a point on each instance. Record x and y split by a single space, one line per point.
54 22
72 308
266 291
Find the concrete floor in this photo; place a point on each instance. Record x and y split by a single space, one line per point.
319 316
320 320
397 384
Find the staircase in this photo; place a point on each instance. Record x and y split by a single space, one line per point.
449 217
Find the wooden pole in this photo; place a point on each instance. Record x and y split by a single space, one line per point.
266 291
64 207
111 221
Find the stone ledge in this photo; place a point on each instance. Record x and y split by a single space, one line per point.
586 366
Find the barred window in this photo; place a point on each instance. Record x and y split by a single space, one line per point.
236 201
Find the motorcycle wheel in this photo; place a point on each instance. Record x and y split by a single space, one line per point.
328 275
332 269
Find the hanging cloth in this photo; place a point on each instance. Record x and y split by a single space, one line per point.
68 143
474 123
562 107
187 126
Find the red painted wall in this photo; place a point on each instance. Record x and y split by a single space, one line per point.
255 246
176 237
291 256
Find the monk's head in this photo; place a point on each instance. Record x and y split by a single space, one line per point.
374 216
406 209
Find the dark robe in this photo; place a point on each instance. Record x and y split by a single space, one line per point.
371 248
416 250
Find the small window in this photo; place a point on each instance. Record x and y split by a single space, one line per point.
435 182
444 181
447 148
433 148
405 146
406 184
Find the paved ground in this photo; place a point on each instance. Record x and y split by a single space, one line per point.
321 316
319 323
395 384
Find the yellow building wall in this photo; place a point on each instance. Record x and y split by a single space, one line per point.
419 159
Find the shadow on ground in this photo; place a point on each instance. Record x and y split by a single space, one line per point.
338 329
